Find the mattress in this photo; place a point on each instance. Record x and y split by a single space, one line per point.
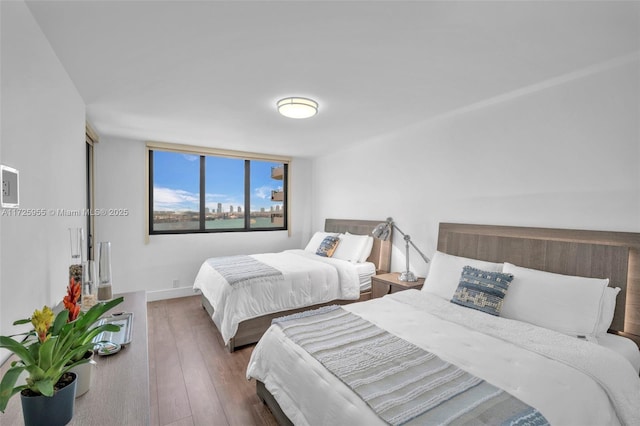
558 387
365 271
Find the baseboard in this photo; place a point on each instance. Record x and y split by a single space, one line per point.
171 293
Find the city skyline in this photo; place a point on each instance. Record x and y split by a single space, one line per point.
177 176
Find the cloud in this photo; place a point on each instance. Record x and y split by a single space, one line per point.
211 197
174 199
263 192
167 199
191 157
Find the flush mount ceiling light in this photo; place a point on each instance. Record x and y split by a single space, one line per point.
297 107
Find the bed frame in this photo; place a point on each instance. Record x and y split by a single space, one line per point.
251 330
597 254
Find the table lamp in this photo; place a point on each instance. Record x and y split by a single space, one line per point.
383 232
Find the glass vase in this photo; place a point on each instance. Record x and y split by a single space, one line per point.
89 285
76 239
104 271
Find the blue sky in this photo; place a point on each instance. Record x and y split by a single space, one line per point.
176 182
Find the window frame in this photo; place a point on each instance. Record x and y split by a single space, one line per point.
204 152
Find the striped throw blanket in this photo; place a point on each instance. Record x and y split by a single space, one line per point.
401 382
242 268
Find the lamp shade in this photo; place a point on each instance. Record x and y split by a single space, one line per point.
382 231
297 107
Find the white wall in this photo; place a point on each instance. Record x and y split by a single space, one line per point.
120 183
561 154
43 120
4 354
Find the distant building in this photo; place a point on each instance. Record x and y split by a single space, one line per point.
261 209
239 209
219 207
230 209
207 210
278 208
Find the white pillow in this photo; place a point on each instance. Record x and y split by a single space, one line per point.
367 250
446 269
351 247
316 239
569 304
607 309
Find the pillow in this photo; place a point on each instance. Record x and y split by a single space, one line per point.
482 290
445 270
351 247
328 246
316 240
607 310
564 303
367 250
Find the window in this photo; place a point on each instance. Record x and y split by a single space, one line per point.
91 138
215 191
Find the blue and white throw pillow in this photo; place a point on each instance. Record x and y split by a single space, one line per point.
328 246
482 290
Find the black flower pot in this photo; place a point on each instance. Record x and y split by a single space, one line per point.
56 410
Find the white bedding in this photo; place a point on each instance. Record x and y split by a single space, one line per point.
365 271
307 279
625 347
563 394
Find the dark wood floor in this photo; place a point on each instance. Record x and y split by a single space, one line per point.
193 380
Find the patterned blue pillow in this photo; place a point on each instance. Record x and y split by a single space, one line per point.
482 290
328 246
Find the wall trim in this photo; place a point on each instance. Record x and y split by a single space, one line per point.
171 293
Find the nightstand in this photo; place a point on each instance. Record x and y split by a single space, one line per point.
389 283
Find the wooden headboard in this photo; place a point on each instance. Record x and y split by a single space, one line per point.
598 254
381 251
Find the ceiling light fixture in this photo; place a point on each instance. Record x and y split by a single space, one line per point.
297 107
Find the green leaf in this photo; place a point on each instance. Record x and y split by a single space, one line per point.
74 356
80 361
26 334
22 321
92 315
59 322
35 373
46 352
34 351
17 348
88 337
15 390
45 386
7 389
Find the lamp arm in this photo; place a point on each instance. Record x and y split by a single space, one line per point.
426 259
398 229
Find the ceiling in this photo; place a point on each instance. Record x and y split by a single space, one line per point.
210 72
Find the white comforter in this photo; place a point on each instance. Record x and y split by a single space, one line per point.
307 279
571 382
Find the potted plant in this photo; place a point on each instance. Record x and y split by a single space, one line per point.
47 353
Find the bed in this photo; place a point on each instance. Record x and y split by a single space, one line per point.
531 369
292 281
